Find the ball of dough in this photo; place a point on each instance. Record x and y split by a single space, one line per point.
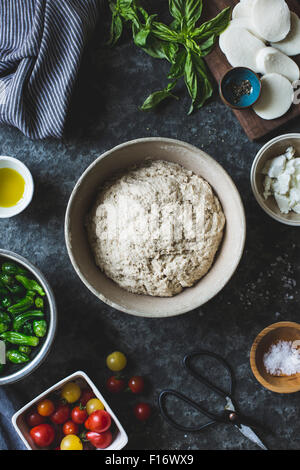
156 229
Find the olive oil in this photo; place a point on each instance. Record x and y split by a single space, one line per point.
12 187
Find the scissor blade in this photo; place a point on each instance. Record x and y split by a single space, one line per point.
250 434
245 430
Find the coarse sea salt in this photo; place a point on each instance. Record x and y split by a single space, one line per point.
282 358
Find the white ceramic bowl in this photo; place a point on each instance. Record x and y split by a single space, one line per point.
19 418
122 157
271 149
17 165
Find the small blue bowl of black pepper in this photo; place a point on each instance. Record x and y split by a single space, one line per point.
240 88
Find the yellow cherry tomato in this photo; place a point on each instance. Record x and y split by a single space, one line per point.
116 361
71 442
94 404
71 392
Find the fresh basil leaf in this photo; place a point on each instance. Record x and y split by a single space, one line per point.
196 80
144 13
160 49
140 35
176 26
140 39
157 48
128 10
112 5
176 9
191 45
161 31
186 12
190 78
215 26
116 29
181 43
177 68
207 46
205 86
157 97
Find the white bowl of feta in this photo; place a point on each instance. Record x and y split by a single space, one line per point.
275 178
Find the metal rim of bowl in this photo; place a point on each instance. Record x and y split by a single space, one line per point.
254 187
42 354
233 106
67 230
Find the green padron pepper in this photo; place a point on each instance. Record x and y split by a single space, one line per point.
5 298
28 329
30 284
25 350
19 338
12 269
7 280
17 291
40 328
17 357
21 319
22 305
39 302
5 321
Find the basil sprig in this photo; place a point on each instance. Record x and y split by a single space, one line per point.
184 43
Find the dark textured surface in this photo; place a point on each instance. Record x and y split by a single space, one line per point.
264 289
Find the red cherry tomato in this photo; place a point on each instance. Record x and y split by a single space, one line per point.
136 384
79 415
99 440
61 414
142 411
98 421
45 407
43 435
34 419
86 396
70 428
115 385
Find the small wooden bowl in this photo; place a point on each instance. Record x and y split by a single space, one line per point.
284 331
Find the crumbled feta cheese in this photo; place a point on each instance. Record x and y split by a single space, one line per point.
297 162
267 187
296 208
282 184
283 203
290 167
295 195
283 181
290 153
274 167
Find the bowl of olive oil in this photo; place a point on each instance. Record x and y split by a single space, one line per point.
16 186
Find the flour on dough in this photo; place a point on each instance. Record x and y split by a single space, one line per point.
156 228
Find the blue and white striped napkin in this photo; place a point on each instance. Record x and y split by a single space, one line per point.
41 44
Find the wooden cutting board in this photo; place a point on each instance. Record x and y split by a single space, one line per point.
254 126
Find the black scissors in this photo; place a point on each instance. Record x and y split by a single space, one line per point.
230 414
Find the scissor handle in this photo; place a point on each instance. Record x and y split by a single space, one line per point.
187 364
162 406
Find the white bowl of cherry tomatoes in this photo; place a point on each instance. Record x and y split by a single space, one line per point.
71 415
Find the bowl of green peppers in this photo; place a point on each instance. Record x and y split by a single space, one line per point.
27 317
